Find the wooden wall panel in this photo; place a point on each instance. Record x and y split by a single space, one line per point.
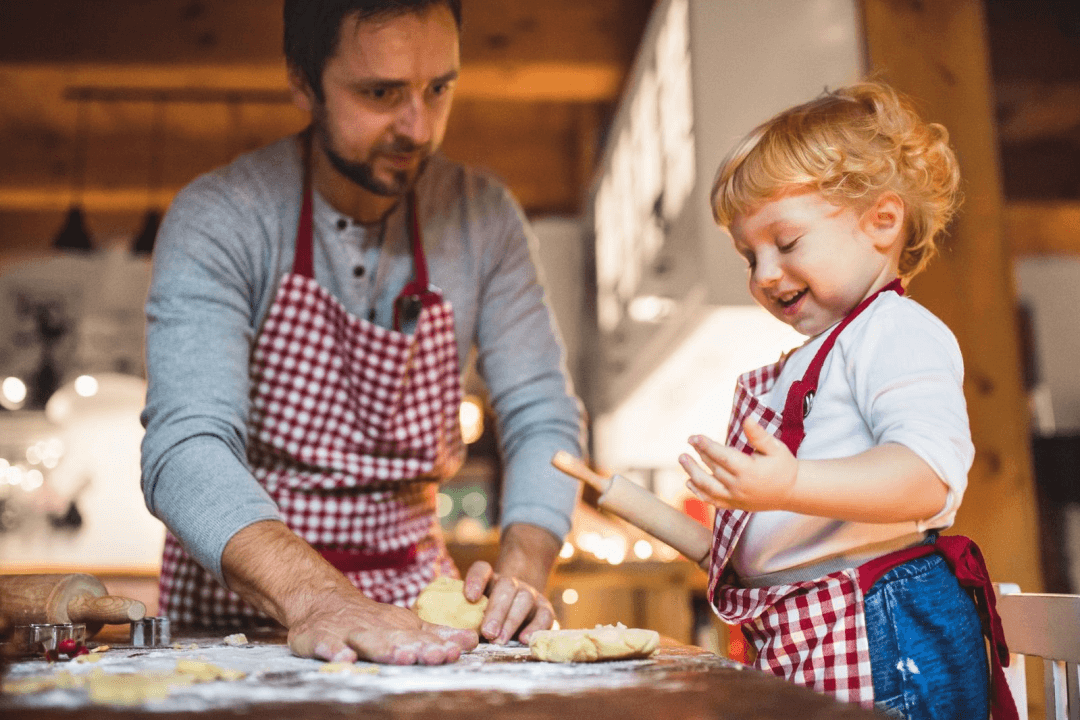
1042 228
936 52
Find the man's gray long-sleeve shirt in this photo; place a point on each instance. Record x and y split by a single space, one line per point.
224 246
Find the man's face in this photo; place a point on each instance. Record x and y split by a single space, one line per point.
387 93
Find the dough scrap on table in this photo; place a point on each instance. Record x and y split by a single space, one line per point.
206 672
443 603
125 689
40 683
604 642
348 668
90 657
236 639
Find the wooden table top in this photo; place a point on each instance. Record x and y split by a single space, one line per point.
679 682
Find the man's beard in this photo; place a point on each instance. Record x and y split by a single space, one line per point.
363 173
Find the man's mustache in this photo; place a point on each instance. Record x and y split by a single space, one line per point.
404 146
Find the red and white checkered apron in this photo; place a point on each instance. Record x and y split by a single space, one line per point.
813 633
351 428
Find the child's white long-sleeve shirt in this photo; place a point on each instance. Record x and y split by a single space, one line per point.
895 375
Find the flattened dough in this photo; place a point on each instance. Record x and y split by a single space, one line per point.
604 642
443 602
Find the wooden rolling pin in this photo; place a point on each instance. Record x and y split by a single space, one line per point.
70 598
642 509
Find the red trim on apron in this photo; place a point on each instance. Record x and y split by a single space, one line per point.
355 561
814 632
351 427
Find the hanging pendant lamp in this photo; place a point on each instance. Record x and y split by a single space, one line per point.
144 241
73 234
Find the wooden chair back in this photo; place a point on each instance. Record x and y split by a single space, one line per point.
1045 626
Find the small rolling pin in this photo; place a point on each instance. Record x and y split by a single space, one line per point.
58 599
641 508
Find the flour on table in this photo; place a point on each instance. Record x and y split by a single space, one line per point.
271 674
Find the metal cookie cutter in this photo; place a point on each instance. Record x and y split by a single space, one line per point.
49 639
150 632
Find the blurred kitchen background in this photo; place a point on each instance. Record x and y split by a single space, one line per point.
607 119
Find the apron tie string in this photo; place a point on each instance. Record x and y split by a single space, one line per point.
966 562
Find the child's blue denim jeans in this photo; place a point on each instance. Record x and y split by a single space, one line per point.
927 653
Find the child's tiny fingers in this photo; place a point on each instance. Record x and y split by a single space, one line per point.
719 458
705 497
714 484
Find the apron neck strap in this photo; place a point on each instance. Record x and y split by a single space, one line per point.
303 262
801 395
417 239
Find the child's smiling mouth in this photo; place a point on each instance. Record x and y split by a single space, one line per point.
790 300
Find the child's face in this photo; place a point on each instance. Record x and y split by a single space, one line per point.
811 262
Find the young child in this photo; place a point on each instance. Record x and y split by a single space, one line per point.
845 458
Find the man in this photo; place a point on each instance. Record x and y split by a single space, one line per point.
304 372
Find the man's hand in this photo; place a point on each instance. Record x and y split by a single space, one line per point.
344 628
328 618
517 606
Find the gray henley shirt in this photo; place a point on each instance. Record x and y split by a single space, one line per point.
223 247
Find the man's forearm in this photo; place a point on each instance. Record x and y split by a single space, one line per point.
528 552
276 571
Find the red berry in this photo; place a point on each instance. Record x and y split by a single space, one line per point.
82 651
67 646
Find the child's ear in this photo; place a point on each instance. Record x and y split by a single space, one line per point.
884 221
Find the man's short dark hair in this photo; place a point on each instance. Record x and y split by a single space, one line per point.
312 28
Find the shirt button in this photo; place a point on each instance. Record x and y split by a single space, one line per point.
358 271
342 223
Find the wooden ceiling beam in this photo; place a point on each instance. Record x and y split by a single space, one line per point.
204 32
48 88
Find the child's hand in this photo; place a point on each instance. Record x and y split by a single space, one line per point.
731 479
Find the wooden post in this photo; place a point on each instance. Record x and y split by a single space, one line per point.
936 52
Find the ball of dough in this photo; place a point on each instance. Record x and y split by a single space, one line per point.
443 603
604 642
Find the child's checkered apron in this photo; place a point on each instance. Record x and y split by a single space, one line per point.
351 428
814 633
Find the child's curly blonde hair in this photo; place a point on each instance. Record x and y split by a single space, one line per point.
851 145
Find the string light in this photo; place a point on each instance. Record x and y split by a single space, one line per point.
472 419
12 393
86 386
474 504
